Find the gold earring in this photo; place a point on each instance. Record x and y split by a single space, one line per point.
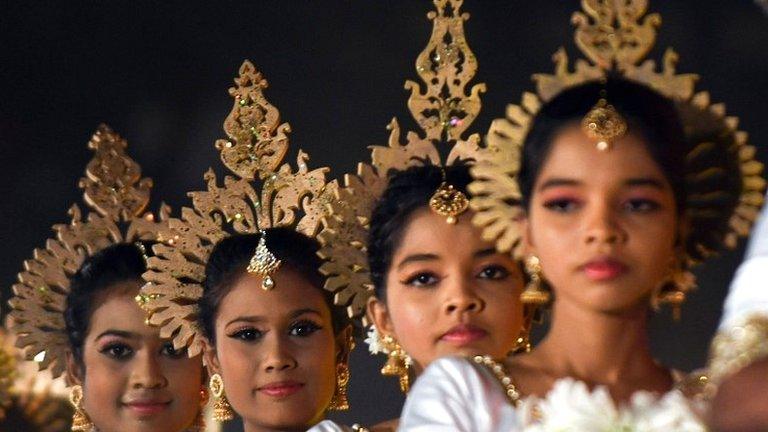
534 294
674 291
397 363
199 425
340 400
522 344
80 420
222 410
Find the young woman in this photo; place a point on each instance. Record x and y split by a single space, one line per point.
240 278
439 289
606 219
126 377
280 355
73 309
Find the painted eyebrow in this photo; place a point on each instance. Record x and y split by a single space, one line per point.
303 311
485 252
558 181
256 319
245 318
641 181
118 333
417 258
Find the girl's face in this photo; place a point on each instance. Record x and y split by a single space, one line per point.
449 292
276 352
133 380
604 224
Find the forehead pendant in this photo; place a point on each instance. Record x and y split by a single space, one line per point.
604 124
264 263
448 202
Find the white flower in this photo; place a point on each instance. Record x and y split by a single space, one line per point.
375 345
571 407
374 341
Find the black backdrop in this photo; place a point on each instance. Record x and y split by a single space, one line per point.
158 72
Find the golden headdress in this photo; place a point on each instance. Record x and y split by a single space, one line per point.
29 397
443 109
254 151
116 197
724 192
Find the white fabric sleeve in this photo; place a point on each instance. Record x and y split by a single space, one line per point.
453 394
749 290
328 426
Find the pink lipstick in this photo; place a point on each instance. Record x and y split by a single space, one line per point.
147 408
281 389
463 334
606 269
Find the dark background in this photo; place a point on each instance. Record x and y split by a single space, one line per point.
158 73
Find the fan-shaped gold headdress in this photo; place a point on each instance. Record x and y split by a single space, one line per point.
724 192
443 110
117 196
254 151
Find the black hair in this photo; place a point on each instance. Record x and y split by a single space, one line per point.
407 191
649 115
231 255
97 275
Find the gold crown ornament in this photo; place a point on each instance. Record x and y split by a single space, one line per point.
265 192
443 107
724 183
116 198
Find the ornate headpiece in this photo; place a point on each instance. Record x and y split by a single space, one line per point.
116 196
448 202
604 124
254 151
264 263
724 190
443 110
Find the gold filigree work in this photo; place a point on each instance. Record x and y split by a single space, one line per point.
615 36
444 111
265 192
604 124
116 196
448 202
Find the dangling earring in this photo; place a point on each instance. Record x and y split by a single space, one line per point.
340 400
534 294
522 344
199 425
222 411
80 420
674 291
398 363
